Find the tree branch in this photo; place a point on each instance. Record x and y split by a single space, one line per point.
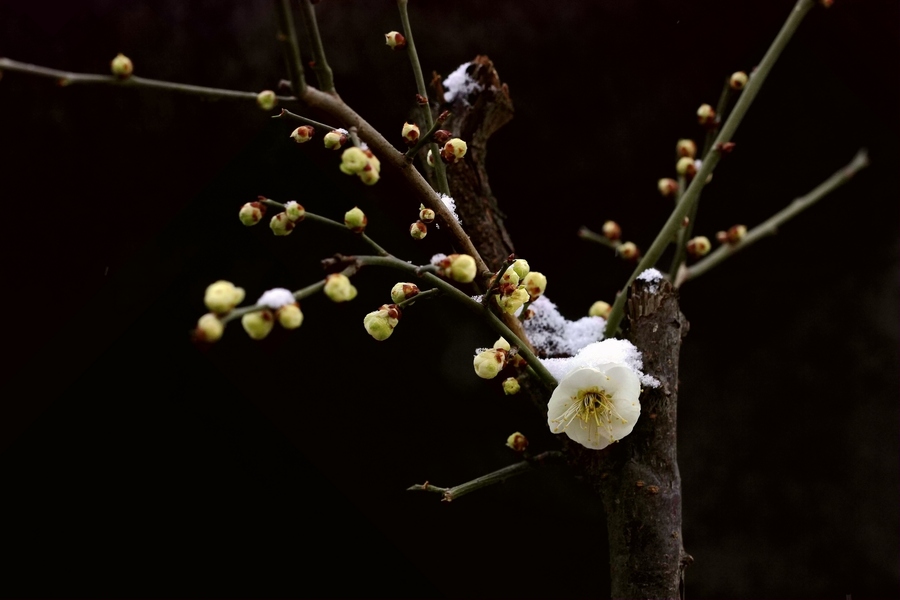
319 64
498 476
711 159
287 36
771 225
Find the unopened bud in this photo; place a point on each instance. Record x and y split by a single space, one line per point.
380 323
502 344
353 160
489 363
251 213
335 139
516 441
738 80
706 116
426 215
612 231
629 251
258 324
686 166
513 301
736 233
266 100
667 187
222 296
370 174
418 230
303 134
395 40
338 288
410 134
521 267
280 224
441 136
289 316
509 277
404 291
722 237
535 283
685 221
460 267
429 158
600 309
121 66
294 211
454 150
686 148
355 220
698 246
724 149
209 328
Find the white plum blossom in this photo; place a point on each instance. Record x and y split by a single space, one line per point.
596 406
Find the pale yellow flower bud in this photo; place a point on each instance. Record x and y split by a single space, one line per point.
698 246
454 150
736 233
303 134
612 231
280 224
418 230
380 323
516 441
258 324
426 215
430 159
667 187
514 301
629 251
738 80
410 134
706 115
404 291
686 166
355 220
266 100
251 213
461 268
502 344
222 296
338 288
600 309
334 140
121 66
535 283
521 267
353 160
489 363
686 148
395 40
209 328
294 211
289 316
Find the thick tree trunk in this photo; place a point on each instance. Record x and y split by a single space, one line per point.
636 478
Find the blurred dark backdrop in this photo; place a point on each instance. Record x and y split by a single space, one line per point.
136 464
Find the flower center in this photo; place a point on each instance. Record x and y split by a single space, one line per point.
592 406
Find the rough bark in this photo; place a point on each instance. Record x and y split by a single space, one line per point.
474 119
637 478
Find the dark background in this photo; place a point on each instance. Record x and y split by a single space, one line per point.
136 464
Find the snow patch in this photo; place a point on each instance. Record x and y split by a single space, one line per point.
460 85
276 298
554 335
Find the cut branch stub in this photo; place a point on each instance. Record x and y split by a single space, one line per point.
474 119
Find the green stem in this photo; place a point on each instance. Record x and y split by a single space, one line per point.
286 113
287 35
770 226
298 295
592 236
473 305
498 476
65 78
331 223
419 296
320 64
439 170
426 139
710 160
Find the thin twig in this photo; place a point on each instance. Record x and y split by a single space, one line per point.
592 236
770 226
498 476
287 36
426 139
710 160
66 78
439 170
307 121
319 64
